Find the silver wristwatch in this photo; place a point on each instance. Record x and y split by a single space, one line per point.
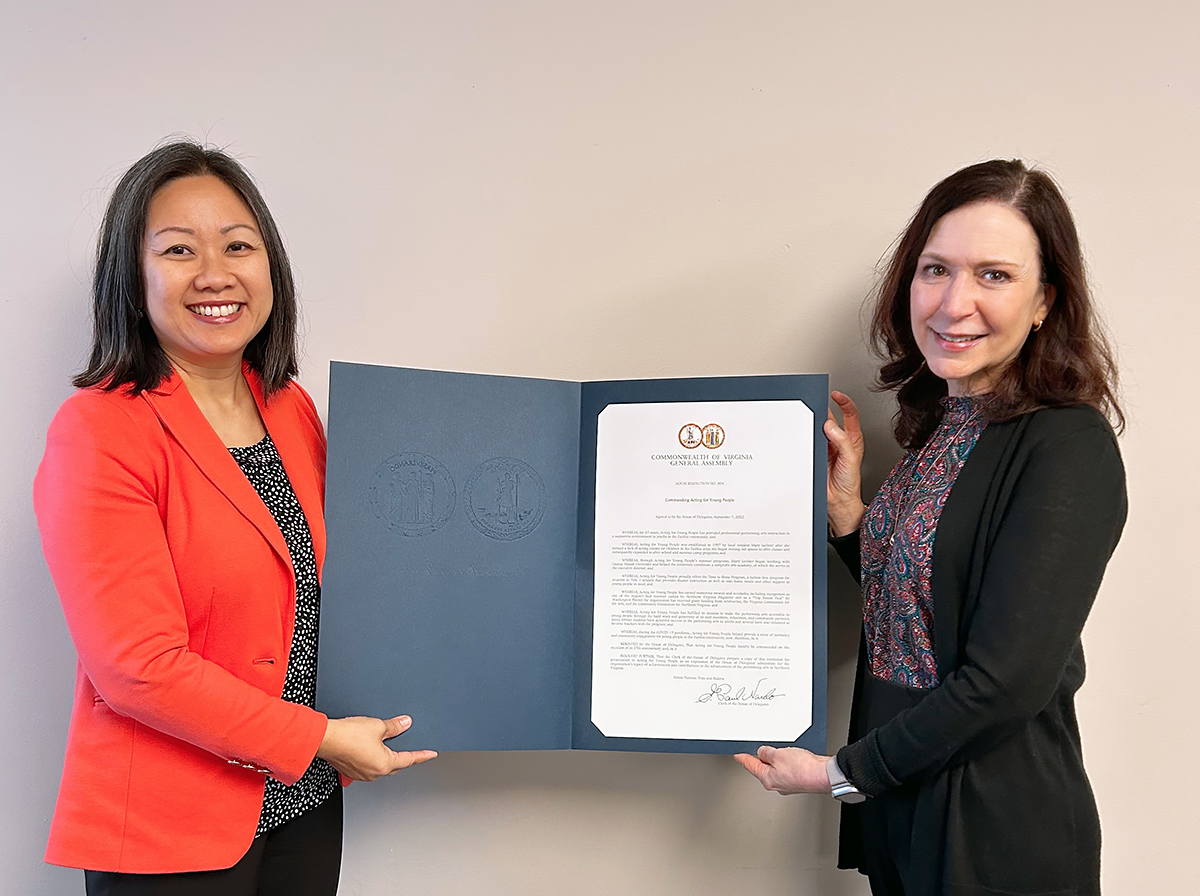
843 790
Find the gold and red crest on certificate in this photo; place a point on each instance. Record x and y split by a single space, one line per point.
693 435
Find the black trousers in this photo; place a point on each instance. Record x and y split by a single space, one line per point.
887 837
877 835
302 857
884 885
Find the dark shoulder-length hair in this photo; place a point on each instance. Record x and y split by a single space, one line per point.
125 351
1067 361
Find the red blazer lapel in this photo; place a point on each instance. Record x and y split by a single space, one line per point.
181 417
295 446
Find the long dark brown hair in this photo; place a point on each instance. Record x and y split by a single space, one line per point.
1068 361
125 351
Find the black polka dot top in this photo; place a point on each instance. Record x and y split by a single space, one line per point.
264 469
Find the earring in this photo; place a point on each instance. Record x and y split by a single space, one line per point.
1037 325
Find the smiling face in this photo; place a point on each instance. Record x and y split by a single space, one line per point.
976 294
206 270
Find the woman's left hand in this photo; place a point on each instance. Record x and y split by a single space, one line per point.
355 747
787 770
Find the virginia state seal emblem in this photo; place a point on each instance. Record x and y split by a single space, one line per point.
412 494
505 498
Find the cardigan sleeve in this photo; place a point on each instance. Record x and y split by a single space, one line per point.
103 537
847 547
1060 525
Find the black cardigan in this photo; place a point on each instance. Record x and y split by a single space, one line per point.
991 756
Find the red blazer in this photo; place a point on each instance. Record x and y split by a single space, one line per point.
179 595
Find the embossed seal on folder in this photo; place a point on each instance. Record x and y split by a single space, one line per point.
505 498
413 494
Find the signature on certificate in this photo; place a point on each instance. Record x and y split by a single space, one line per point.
723 692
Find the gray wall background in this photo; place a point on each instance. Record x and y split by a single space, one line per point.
617 189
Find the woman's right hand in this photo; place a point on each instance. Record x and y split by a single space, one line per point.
355 747
844 483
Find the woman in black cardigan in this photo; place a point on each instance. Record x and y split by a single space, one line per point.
979 558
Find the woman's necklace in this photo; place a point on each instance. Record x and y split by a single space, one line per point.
914 487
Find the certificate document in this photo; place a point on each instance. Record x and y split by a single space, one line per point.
703 594
530 564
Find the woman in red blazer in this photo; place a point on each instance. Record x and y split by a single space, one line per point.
188 580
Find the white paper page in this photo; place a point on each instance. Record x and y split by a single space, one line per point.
703 577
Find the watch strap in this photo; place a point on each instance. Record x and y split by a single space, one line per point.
841 788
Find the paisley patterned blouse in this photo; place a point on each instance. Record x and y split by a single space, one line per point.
896 540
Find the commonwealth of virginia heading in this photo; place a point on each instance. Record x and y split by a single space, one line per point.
702 460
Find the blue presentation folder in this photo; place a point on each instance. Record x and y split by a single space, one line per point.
458 579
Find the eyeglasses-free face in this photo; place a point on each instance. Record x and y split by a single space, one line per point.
976 294
206 270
